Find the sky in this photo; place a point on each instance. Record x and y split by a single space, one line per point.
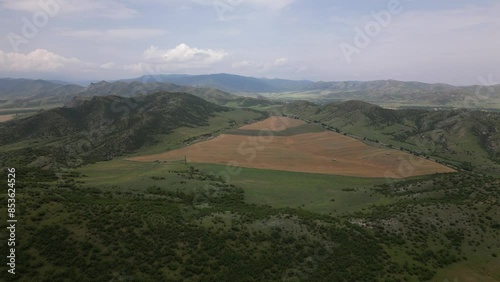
447 41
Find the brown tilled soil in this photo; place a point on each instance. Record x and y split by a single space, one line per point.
4 118
273 124
324 152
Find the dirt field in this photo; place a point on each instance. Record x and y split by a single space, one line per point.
4 118
273 124
320 152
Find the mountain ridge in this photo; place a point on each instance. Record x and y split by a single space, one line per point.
51 93
219 87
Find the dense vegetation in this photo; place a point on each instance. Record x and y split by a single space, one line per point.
100 129
182 223
203 230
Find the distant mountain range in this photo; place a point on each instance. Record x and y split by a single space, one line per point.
22 93
223 87
23 88
229 82
383 91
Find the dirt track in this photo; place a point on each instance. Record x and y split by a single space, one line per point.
324 152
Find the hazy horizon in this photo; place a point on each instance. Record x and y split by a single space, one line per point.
448 42
86 82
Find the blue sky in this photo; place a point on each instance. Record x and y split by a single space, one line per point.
449 41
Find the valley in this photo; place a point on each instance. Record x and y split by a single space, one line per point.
261 146
249 141
224 184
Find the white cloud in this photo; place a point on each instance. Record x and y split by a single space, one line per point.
260 66
109 9
246 64
184 54
231 4
275 4
302 69
135 68
40 60
281 62
113 34
181 58
108 66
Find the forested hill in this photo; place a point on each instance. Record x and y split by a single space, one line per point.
101 128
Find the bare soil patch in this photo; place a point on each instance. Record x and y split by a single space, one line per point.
4 118
319 152
274 124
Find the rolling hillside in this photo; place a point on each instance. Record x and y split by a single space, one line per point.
217 88
25 93
392 91
384 92
466 138
23 88
100 128
204 221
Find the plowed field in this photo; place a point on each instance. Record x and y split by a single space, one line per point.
317 152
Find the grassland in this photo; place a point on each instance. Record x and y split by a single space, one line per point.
438 227
165 221
328 194
84 233
314 192
10 113
481 267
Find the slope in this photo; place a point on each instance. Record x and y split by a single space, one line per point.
466 138
100 128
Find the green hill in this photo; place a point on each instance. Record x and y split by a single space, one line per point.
464 138
123 220
100 128
216 88
22 88
22 93
411 93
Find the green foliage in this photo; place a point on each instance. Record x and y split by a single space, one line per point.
73 231
101 128
466 139
185 236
